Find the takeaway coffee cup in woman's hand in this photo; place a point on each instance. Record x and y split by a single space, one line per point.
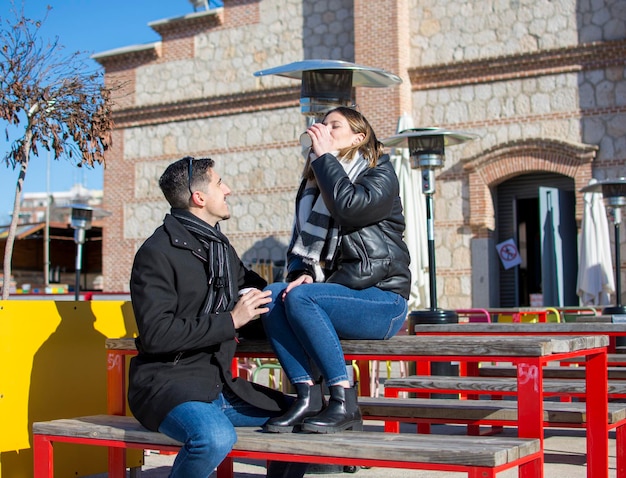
305 140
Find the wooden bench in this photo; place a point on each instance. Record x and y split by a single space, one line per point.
480 457
492 386
503 386
618 360
474 413
614 373
488 412
494 413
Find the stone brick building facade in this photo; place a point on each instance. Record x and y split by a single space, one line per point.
541 82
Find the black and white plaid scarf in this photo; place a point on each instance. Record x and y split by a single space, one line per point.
221 294
318 234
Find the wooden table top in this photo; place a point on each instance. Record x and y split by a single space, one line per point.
546 328
431 345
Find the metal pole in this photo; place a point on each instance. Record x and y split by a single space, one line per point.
430 229
46 246
618 308
618 274
79 260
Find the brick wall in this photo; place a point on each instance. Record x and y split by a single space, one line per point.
380 33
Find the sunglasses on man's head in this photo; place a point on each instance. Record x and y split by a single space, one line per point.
190 173
190 161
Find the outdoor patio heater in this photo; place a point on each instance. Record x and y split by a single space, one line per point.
80 221
427 150
81 218
614 195
327 84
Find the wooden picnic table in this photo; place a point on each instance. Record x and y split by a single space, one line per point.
612 330
530 353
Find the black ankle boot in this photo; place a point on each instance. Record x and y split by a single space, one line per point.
342 413
309 402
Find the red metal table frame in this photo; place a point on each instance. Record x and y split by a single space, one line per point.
529 386
116 375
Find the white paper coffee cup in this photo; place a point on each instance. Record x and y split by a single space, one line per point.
305 140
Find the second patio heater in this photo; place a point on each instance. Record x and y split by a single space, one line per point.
327 84
427 149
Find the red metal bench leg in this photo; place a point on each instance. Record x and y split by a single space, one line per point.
423 428
481 473
225 469
117 462
597 411
620 451
532 468
364 371
530 412
391 426
43 457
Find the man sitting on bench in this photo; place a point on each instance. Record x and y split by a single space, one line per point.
192 297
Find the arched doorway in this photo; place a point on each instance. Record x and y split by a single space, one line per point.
502 171
537 211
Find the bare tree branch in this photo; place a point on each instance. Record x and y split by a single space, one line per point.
61 104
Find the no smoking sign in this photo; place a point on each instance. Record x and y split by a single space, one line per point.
508 253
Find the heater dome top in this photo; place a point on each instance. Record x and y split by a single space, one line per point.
401 140
361 75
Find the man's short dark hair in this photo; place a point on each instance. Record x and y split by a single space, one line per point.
182 177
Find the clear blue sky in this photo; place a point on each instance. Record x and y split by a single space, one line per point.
92 26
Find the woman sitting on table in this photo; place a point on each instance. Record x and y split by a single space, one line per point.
347 271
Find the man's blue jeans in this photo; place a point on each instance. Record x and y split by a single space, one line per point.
208 432
312 318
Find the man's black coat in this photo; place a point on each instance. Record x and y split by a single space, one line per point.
183 354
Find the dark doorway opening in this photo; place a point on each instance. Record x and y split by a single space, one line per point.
530 249
521 215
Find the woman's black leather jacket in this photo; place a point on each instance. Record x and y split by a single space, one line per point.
369 214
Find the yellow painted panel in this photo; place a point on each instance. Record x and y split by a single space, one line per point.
54 366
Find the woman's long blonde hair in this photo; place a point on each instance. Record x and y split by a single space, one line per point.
370 147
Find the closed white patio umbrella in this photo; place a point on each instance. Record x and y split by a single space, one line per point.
414 205
595 270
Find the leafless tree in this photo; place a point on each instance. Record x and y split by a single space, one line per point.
50 100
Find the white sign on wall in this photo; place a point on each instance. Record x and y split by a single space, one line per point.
508 253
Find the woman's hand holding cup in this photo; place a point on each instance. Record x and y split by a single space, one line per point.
317 137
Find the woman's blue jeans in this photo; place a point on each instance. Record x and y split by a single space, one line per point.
310 321
208 431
